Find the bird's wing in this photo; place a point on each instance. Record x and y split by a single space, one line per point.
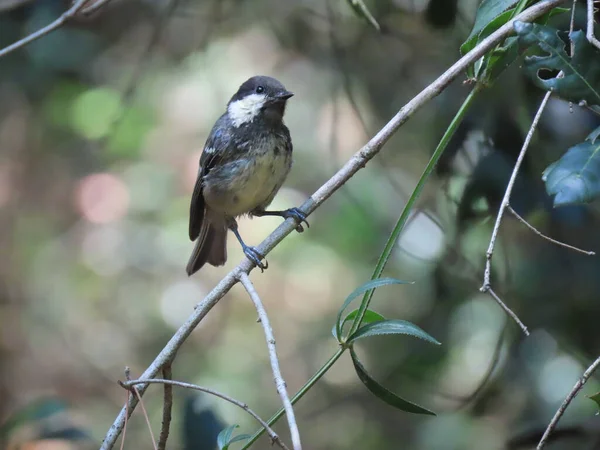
215 147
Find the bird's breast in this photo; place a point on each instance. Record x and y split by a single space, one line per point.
246 184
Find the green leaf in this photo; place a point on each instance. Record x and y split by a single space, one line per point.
491 15
581 81
368 286
594 135
369 317
361 10
391 326
384 394
497 60
595 397
575 178
224 439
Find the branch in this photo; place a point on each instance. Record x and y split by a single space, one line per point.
357 162
66 16
274 437
94 7
279 381
167 408
548 238
590 25
565 404
486 287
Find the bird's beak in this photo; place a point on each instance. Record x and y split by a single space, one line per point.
284 95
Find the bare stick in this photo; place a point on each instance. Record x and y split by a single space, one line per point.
357 162
590 25
274 437
94 7
279 381
137 393
125 426
565 404
167 408
66 16
548 238
486 287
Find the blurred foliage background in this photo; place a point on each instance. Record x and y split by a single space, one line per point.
101 126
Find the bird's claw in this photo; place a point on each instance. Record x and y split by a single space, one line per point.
298 216
253 255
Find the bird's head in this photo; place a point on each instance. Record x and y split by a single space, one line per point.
259 97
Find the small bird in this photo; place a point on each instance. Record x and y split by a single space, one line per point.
245 160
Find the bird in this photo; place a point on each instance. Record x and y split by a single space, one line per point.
245 161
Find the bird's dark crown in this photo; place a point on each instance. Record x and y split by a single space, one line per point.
261 84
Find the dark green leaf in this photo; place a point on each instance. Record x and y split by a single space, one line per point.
369 317
361 10
391 326
372 284
224 439
491 15
581 80
382 393
575 178
595 397
504 55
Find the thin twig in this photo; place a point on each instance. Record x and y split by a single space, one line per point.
279 381
137 393
486 287
66 16
167 408
94 7
507 310
590 25
274 437
125 426
542 235
565 404
357 162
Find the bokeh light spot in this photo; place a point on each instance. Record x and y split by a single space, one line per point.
102 198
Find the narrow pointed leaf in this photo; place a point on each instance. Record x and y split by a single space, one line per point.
575 178
373 284
391 326
596 398
594 135
383 393
369 317
225 438
581 80
361 10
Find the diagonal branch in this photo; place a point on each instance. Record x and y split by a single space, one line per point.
565 404
487 287
65 17
274 437
358 161
279 381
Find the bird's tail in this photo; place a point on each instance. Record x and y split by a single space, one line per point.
211 246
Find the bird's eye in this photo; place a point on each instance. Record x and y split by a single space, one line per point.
260 90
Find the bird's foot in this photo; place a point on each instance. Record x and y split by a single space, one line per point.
298 216
253 255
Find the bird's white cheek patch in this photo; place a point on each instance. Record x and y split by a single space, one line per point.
245 110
